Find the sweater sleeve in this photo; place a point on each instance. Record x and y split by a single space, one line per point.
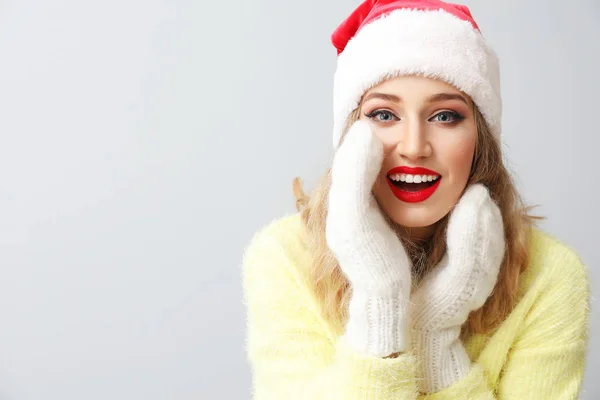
291 353
546 361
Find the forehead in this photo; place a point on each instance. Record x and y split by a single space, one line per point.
414 85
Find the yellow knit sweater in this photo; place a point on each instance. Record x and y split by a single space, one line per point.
537 353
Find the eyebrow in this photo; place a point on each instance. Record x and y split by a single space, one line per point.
431 99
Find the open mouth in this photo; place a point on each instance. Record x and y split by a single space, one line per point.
413 183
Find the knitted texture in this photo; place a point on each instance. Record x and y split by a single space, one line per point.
368 251
295 354
461 283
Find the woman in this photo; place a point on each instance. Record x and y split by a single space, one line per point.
413 270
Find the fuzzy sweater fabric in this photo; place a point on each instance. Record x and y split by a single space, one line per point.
538 352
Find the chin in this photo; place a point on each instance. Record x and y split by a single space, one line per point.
417 215
414 219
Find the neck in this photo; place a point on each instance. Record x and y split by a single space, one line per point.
420 235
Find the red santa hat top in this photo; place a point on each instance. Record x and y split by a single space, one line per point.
386 38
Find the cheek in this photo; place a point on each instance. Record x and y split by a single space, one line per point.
458 157
388 136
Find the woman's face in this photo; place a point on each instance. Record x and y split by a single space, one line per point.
429 134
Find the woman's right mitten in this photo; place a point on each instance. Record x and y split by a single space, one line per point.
369 252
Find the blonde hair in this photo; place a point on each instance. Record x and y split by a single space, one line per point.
333 289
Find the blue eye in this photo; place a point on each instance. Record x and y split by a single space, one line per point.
381 116
447 117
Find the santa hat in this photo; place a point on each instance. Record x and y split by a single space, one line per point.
386 38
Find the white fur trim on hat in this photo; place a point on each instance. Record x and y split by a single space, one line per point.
435 44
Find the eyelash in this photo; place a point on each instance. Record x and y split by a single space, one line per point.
456 116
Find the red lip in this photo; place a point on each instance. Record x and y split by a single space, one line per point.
413 197
411 170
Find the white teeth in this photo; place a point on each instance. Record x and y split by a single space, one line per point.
408 178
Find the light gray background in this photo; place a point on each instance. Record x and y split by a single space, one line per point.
143 142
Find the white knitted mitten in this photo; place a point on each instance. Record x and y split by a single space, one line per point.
367 249
459 284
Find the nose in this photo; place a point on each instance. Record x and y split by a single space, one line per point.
413 143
